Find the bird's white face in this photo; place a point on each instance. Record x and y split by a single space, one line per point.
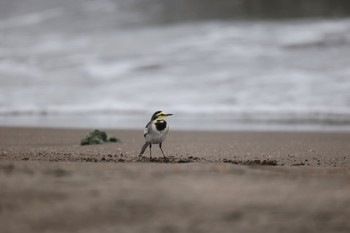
160 115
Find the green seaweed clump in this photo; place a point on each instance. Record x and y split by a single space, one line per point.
97 137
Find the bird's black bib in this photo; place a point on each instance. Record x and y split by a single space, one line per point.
160 125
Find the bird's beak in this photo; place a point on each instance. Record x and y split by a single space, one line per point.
169 114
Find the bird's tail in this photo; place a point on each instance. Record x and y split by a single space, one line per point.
144 148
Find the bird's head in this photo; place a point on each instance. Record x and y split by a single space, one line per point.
160 115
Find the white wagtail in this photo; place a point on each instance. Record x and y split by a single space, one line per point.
155 132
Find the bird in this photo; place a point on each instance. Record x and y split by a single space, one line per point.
155 132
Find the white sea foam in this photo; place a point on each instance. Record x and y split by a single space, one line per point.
30 19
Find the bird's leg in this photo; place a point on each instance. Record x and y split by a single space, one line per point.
150 150
160 146
144 147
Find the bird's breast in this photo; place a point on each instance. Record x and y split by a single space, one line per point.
160 125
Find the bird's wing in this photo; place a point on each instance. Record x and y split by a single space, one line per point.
145 131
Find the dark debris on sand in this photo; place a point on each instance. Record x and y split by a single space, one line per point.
170 159
266 162
121 158
298 164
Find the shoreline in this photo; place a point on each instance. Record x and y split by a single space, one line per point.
183 123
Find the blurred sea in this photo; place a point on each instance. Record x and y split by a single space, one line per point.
111 64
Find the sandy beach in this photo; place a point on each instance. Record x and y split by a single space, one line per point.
211 182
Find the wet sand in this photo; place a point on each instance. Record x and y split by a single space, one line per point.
211 182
